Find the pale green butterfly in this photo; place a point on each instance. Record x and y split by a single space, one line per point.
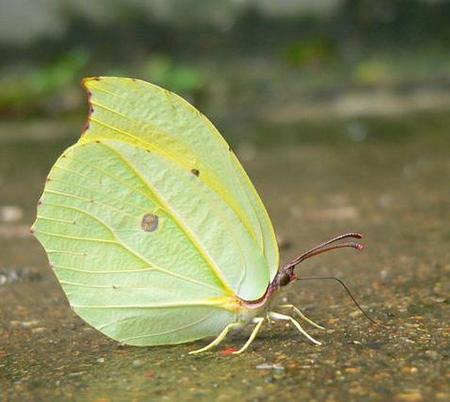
153 228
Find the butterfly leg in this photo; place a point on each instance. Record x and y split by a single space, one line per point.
301 315
216 341
259 322
278 316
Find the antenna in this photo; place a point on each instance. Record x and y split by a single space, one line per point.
327 246
372 320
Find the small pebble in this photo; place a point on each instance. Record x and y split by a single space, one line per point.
268 366
10 213
28 324
149 374
76 374
432 354
409 370
438 299
413 396
355 314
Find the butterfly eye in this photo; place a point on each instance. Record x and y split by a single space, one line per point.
284 279
149 222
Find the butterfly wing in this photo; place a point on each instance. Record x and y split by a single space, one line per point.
147 240
140 113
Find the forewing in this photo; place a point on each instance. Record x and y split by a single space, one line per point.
143 114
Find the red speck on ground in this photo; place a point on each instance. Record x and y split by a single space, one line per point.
149 374
227 352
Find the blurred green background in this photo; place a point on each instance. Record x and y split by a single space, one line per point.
271 60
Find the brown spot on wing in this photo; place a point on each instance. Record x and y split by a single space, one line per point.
149 222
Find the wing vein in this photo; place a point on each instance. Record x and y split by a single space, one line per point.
170 331
180 223
126 248
63 236
151 306
93 271
239 213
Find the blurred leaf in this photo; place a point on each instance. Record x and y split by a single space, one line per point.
372 72
28 90
311 51
178 78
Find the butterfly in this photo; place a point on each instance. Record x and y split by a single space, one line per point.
153 228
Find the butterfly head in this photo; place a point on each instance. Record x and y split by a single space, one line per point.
287 274
285 277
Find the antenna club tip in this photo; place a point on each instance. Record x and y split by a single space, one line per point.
356 235
359 246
